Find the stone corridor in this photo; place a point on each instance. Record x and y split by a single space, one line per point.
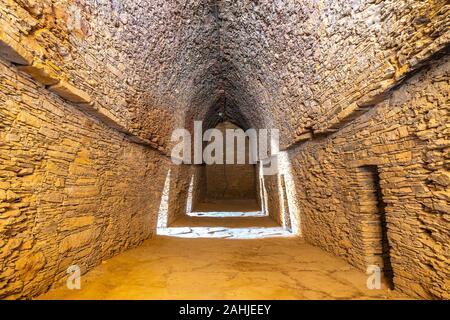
111 110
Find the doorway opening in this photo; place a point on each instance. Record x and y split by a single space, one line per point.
230 187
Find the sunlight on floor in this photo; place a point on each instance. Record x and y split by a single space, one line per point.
229 225
229 233
218 214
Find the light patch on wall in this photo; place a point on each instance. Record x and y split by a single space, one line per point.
289 205
263 191
163 213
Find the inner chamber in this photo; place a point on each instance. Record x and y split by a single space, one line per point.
228 187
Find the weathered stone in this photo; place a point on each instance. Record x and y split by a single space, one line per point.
53 197
77 222
3 196
70 93
11 196
29 119
337 204
41 73
30 265
77 240
25 172
441 177
11 50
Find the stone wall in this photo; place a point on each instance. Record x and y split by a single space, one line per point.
198 186
281 199
72 191
406 137
182 195
274 205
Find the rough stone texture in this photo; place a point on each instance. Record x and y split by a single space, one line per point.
300 65
72 191
407 138
274 208
179 195
279 196
260 269
156 65
198 186
146 62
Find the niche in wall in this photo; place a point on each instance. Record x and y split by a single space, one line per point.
373 221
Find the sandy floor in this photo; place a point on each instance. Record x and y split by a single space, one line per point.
210 261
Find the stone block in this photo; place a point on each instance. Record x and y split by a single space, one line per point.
70 93
13 51
41 73
82 191
3 196
441 177
304 136
48 132
53 197
103 114
30 264
81 170
77 240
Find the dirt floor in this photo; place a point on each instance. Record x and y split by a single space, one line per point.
231 257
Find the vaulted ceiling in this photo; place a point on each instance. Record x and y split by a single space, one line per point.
294 65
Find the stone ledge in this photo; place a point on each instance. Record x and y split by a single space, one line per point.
41 73
13 51
70 93
306 136
379 93
104 115
85 103
96 110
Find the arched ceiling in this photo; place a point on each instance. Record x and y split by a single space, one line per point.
287 64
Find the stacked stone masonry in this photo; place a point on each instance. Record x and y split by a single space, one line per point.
140 62
407 138
71 188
